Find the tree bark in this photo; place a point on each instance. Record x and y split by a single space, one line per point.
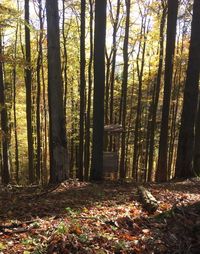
156 96
82 92
161 174
185 153
39 63
5 175
57 133
99 85
124 91
87 133
28 84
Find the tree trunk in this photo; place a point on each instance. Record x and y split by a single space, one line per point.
28 84
112 75
82 91
156 96
39 63
161 174
99 85
87 133
140 71
185 153
5 176
57 133
124 91
14 110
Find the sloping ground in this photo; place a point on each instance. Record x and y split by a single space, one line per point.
100 218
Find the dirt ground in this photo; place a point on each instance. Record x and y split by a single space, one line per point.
108 217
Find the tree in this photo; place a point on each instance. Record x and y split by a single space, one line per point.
184 162
38 70
57 132
124 90
99 84
161 174
113 67
14 108
88 117
156 93
4 123
28 84
82 91
140 71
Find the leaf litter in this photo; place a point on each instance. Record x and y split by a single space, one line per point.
76 217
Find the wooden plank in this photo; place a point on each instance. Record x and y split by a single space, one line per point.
110 161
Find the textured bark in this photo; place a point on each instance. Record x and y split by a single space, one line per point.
87 133
112 74
57 132
38 120
161 174
197 144
5 176
185 153
140 71
99 85
156 95
148 200
124 91
14 110
82 91
28 84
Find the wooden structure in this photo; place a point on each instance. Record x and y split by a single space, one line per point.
111 158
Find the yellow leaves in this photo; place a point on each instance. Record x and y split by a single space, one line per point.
2 246
6 13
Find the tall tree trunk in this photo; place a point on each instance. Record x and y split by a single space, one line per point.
39 63
185 153
112 75
99 85
197 144
87 134
28 83
124 89
45 128
14 109
57 133
140 71
5 176
157 93
161 174
65 59
82 91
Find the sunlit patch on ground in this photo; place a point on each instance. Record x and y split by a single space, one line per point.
100 218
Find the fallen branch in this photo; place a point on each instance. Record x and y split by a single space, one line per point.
150 204
16 227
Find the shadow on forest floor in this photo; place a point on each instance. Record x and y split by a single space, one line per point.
100 218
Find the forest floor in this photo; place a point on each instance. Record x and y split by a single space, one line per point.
101 218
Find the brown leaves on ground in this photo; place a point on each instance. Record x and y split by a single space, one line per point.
102 218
